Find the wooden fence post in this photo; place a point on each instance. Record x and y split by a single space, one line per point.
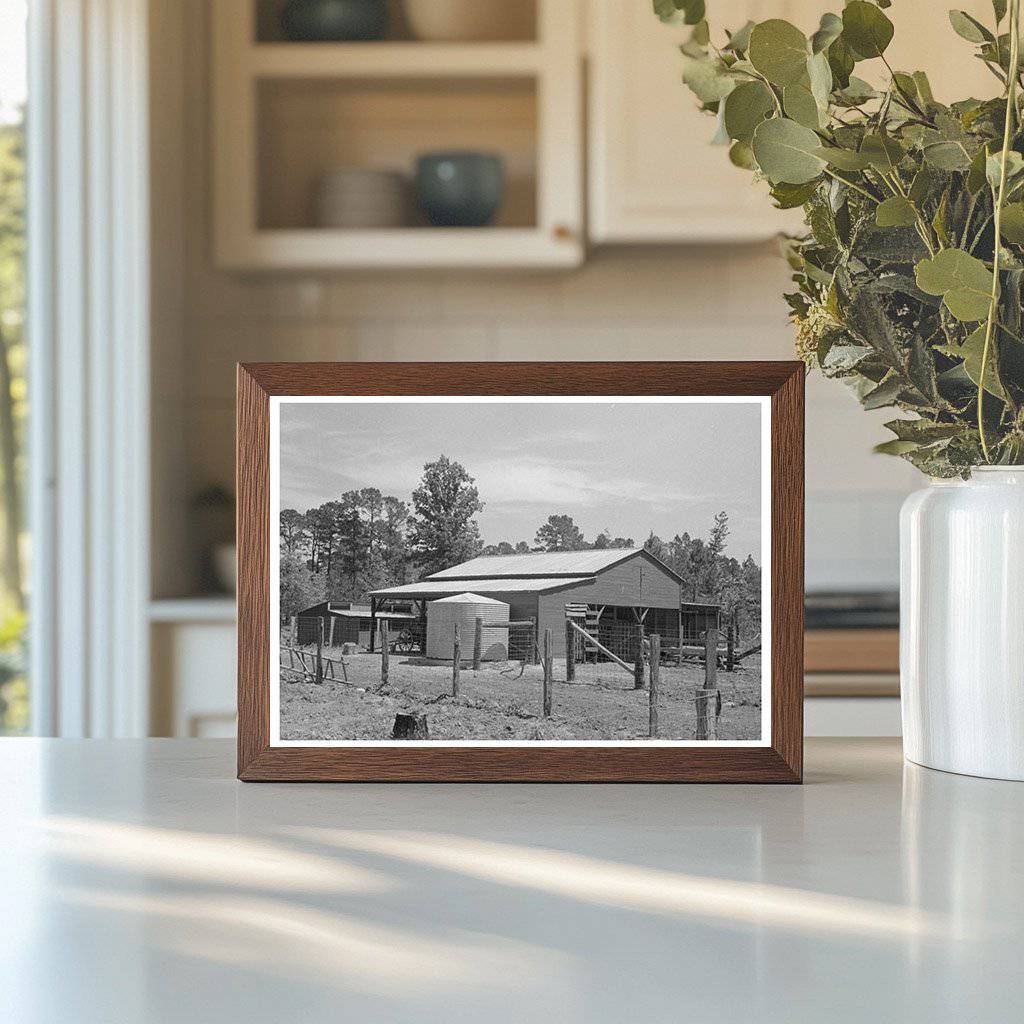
384 650
707 723
655 680
456 659
730 647
638 665
319 651
548 665
570 651
478 643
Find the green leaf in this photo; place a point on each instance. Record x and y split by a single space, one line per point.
739 41
819 74
883 152
976 173
895 447
857 91
689 12
922 185
1012 224
971 351
666 10
787 151
707 78
993 167
788 197
922 431
701 34
840 61
947 156
745 108
963 281
866 29
829 30
801 106
924 88
969 28
779 51
939 220
741 155
844 159
895 212
885 394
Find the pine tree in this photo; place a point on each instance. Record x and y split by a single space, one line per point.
443 531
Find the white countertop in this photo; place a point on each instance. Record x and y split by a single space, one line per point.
140 882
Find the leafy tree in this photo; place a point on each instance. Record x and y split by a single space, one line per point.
394 546
560 533
443 530
501 548
655 545
12 352
300 588
293 529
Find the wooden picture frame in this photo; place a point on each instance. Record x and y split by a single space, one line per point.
779 759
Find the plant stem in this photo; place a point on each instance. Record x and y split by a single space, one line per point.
1011 108
853 185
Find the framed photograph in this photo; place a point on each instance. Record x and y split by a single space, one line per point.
578 572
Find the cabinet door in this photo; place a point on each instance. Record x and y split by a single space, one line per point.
654 176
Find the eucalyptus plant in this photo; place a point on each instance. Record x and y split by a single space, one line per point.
910 277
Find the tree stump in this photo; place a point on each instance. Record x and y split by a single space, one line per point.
410 727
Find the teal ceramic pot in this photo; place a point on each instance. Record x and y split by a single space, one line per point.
460 189
334 21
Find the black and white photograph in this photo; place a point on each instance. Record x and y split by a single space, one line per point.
519 570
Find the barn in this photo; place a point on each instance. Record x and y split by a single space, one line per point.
619 587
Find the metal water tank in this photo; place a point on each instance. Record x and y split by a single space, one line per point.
465 609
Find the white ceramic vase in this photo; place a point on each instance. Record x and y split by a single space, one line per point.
962 624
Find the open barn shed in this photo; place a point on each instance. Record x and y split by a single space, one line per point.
349 623
620 588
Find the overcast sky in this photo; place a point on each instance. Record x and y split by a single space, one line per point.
627 467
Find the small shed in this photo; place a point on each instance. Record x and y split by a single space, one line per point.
464 610
348 623
696 618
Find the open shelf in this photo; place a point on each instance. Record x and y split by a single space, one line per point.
307 128
520 23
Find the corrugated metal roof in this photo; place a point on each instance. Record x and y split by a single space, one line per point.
495 586
541 563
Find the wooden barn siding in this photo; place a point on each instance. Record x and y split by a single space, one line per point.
619 585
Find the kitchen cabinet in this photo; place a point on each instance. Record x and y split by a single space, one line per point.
286 114
654 177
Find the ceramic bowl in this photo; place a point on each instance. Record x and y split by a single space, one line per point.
460 189
470 20
332 21
359 197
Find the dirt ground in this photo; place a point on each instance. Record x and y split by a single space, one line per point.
502 701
